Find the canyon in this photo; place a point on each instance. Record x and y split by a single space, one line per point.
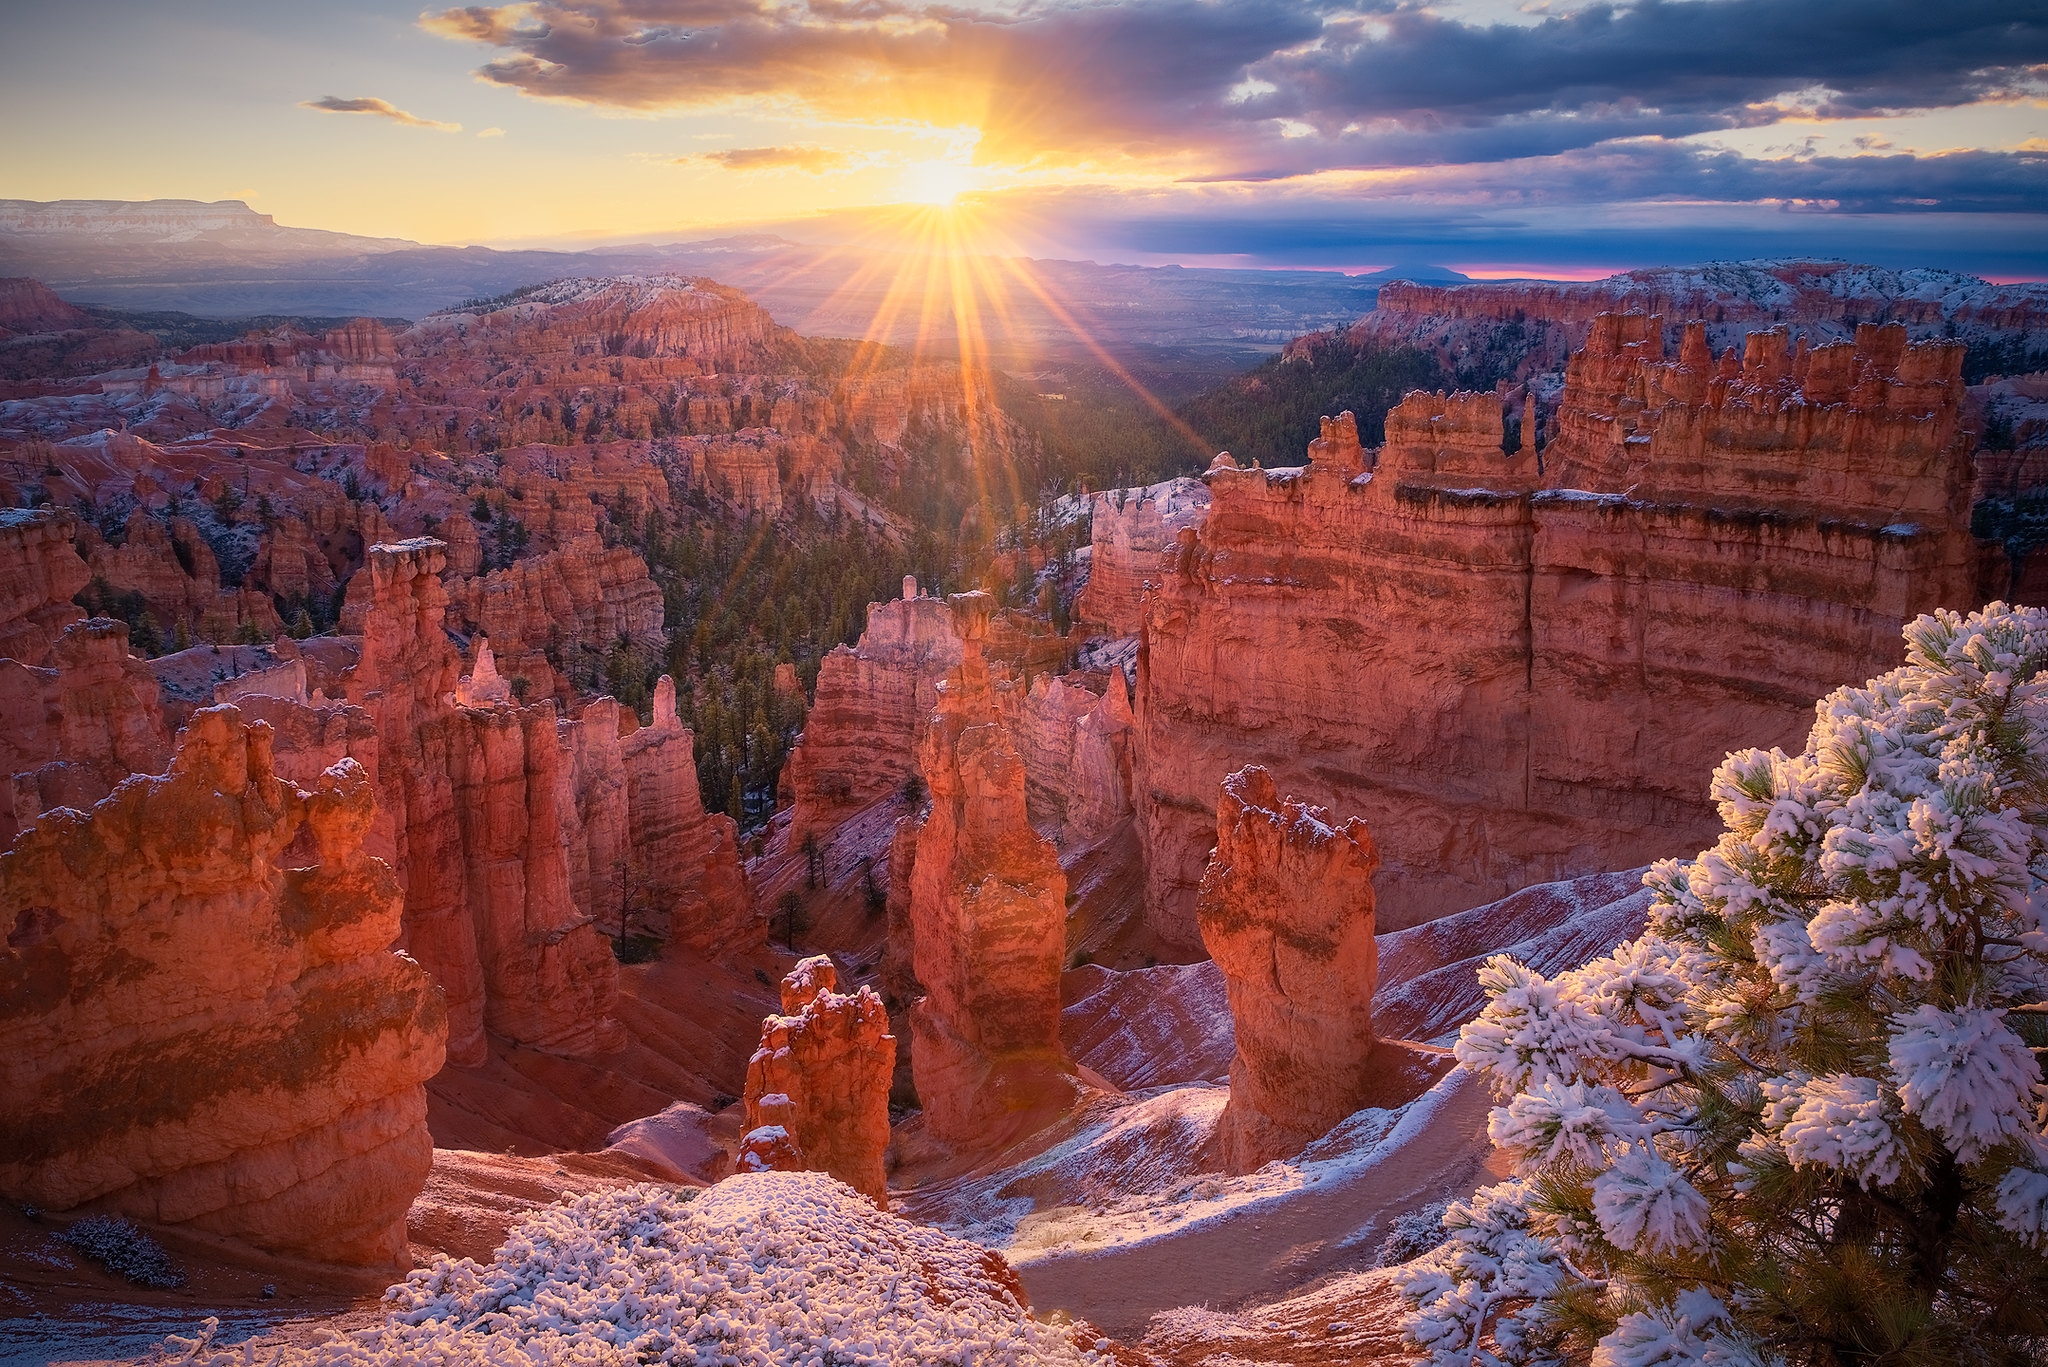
1123 1001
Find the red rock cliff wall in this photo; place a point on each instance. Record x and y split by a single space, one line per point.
549 978
39 574
1128 530
481 813
873 702
685 859
77 714
1870 431
1073 734
1513 687
583 593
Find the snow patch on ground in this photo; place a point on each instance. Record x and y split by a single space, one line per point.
762 1270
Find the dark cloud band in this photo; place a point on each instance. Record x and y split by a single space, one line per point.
1265 90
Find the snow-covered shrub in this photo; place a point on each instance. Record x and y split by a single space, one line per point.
1799 1121
124 1248
1411 1235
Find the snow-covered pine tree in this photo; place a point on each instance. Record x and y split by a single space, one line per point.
1800 1121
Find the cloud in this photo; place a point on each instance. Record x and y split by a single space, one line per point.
490 132
803 157
1305 224
1150 78
1599 105
384 109
1728 60
1224 81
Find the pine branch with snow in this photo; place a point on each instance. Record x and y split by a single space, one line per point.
1801 1119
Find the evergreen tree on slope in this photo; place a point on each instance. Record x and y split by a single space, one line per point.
1800 1120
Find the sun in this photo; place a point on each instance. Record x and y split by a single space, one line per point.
936 183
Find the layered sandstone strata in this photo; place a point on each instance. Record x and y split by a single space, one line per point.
480 814
40 573
761 469
206 1025
360 351
1074 734
821 1076
1286 912
171 565
639 316
77 714
987 918
1877 424
1751 294
681 863
1528 328
549 978
1515 684
899 955
519 834
1129 530
76 725
582 593
873 702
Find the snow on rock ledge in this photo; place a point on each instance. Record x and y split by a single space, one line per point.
767 1268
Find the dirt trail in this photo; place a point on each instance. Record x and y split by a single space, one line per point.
1276 1248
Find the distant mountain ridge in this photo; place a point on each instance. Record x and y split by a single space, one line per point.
171 221
224 260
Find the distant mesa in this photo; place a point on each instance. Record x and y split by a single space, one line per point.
1423 274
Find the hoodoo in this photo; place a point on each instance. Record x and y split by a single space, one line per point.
1286 910
988 918
205 1023
873 704
683 859
821 1077
476 797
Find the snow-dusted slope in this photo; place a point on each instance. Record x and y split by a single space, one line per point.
1117 1214
1429 983
1149 1027
1170 1025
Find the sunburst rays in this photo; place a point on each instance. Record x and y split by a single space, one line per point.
953 279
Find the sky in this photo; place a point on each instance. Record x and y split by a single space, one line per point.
1486 135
